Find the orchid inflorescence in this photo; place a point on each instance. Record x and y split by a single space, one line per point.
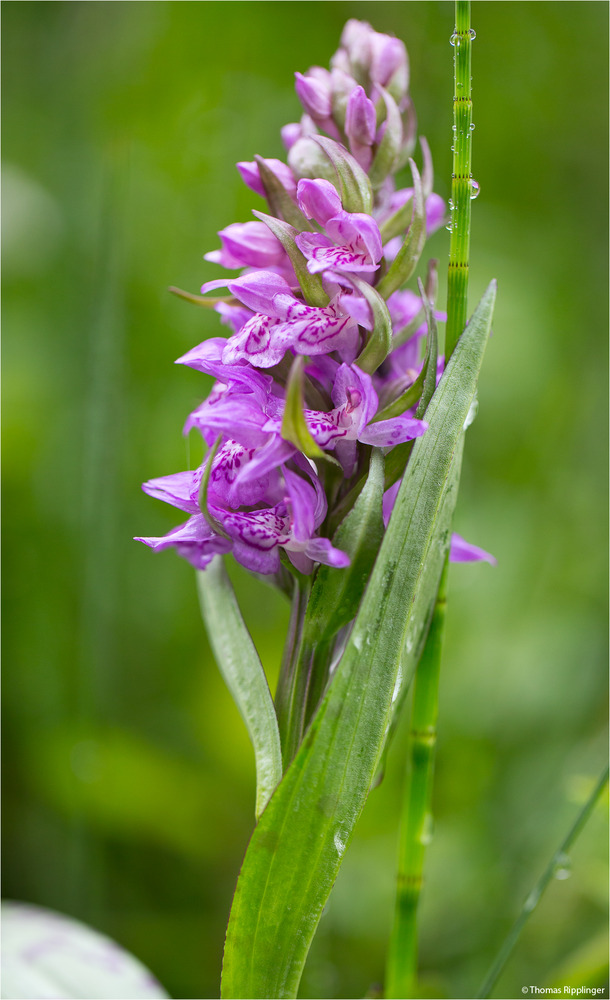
325 358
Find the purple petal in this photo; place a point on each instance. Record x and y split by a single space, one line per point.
257 290
237 415
389 499
386 433
255 343
290 134
251 174
463 551
360 118
318 199
193 540
181 489
388 56
435 212
249 244
314 95
322 254
302 500
358 231
350 380
321 550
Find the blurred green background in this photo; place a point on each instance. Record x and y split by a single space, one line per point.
128 778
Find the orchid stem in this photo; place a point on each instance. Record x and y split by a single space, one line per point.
462 188
293 683
401 971
555 864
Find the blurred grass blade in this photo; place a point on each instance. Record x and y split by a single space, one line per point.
336 593
243 672
555 865
296 850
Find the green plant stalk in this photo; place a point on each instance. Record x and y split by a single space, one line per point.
461 185
535 895
401 969
293 683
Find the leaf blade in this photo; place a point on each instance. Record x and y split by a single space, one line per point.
243 673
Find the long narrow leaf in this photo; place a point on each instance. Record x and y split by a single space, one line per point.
243 672
297 848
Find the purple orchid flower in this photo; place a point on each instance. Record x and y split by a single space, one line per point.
352 241
254 536
351 420
283 322
250 244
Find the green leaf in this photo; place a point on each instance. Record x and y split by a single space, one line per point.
311 284
294 427
243 672
389 147
280 202
296 850
354 185
407 257
336 593
379 344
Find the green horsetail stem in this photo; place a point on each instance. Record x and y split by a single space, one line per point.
416 819
462 187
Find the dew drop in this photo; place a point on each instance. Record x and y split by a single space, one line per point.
475 187
563 868
455 39
472 34
472 126
449 227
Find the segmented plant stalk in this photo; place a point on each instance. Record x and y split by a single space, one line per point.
462 188
416 820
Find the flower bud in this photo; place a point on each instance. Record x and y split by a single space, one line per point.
251 175
360 118
318 199
314 94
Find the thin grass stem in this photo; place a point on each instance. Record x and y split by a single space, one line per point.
555 864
